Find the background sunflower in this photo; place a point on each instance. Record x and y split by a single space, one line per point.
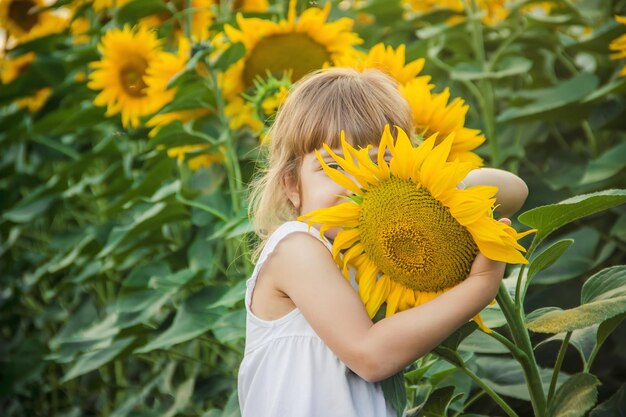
120 74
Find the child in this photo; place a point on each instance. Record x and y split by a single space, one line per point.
311 348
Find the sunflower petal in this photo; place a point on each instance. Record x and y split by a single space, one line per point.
479 321
396 291
378 295
344 240
337 176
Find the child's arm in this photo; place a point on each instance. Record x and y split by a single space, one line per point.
302 268
512 190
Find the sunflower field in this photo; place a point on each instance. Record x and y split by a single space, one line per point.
130 132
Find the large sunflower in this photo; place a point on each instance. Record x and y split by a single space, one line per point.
618 46
432 114
298 44
408 252
28 19
120 74
385 58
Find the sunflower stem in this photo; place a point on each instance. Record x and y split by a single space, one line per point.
522 341
232 162
591 138
484 85
515 351
518 288
488 390
557 365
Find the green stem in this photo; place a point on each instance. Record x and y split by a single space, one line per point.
505 407
231 161
592 357
518 288
485 85
515 351
557 365
591 138
522 341
469 402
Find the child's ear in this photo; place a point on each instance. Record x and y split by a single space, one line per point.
292 190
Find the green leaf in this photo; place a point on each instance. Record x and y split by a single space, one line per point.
619 228
193 318
607 327
505 376
234 295
607 165
580 258
395 392
68 120
509 66
134 398
583 340
617 86
155 217
608 283
454 340
575 397
551 99
613 407
93 360
549 218
480 342
448 348
140 276
132 11
230 327
230 56
578 318
548 257
449 355
438 402
26 213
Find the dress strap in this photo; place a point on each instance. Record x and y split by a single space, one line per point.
279 234
283 231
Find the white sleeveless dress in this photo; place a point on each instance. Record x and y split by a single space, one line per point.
288 371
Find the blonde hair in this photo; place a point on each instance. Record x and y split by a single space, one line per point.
318 108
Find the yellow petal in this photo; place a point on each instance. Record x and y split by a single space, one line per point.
396 291
337 176
479 321
366 277
344 240
378 295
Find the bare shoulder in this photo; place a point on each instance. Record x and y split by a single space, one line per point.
296 252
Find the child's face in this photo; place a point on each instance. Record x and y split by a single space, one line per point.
317 190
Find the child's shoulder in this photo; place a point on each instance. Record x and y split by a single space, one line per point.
295 239
295 228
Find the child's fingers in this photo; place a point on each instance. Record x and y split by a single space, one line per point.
505 221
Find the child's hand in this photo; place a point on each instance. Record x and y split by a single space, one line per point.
487 271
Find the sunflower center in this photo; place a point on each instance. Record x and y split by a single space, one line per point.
413 238
131 76
21 13
283 52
